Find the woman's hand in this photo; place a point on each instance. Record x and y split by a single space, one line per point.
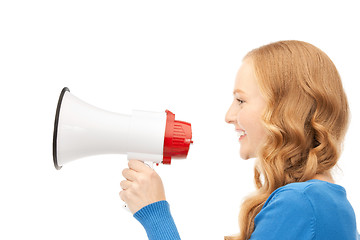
142 186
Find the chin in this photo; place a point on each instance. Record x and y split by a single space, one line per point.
244 156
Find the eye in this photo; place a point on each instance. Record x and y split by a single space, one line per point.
240 101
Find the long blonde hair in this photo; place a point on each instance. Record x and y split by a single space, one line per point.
306 117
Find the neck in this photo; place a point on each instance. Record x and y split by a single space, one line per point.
324 177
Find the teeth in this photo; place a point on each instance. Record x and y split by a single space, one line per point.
241 133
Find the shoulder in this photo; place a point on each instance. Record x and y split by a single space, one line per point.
300 201
308 193
290 199
302 209
287 212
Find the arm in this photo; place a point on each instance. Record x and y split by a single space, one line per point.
157 221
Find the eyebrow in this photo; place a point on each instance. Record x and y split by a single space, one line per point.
238 91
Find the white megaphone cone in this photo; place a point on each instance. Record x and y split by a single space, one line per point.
82 130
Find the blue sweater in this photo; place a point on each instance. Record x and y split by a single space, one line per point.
157 221
315 210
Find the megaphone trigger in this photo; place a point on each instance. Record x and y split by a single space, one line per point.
125 207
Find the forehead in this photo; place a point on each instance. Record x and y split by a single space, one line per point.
245 81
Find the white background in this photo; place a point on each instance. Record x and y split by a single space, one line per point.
147 55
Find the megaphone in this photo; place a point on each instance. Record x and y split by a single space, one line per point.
82 130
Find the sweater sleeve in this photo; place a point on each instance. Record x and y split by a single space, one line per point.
286 215
157 221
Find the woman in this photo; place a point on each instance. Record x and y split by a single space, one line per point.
291 112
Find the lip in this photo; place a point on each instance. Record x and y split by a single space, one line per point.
242 137
241 130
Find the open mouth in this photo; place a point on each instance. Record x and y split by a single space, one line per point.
241 134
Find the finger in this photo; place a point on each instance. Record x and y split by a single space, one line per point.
129 174
138 166
122 195
125 184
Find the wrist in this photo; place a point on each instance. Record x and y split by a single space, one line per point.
156 219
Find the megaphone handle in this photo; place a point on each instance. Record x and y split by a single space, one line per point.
150 164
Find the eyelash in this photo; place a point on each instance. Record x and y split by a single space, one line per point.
240 101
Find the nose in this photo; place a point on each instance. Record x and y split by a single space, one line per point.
230 116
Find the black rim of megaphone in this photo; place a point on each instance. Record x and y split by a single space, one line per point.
65 89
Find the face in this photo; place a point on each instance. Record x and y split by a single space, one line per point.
246 110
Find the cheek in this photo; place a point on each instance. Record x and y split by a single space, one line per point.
246 120
252 124
259 133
